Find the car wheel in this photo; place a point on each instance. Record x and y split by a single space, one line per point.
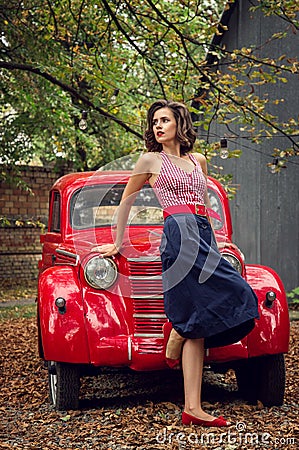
263 379
64 385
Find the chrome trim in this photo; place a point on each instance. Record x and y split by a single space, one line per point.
149 316
153 297
68 254
145 259
145 278
148 335
91 282
232 255
129 348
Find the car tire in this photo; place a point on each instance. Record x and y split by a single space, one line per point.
64 385
263 379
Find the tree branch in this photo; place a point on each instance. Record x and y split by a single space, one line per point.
78 28
66 88
213 85
54 17
132 43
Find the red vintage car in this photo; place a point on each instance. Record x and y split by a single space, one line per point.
96 312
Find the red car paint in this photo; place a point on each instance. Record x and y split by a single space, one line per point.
122 326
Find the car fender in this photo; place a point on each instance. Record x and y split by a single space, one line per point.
272 329
62 332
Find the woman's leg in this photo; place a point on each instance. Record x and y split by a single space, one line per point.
174 343
192 361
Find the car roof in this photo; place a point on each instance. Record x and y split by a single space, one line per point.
76 180
79 179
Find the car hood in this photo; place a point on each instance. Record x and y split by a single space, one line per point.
138 241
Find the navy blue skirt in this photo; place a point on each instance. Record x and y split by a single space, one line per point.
204 296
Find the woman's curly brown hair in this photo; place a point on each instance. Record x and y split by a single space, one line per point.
185 131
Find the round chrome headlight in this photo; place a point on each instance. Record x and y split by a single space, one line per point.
100 272
233 260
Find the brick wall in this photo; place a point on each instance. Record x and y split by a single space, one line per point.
20 248
16 203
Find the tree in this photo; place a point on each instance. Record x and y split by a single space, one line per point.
111 59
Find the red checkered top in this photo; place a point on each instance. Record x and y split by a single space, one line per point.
175 186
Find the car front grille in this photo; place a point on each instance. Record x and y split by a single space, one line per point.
147 296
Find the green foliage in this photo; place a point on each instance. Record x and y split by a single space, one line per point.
112 59
294 295
6 222
12 176
286 9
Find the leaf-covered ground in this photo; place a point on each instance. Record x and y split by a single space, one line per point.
133 410
18 292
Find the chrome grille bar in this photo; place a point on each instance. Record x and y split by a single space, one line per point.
145 275
145 259
152 316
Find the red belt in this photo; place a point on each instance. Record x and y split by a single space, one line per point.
201 210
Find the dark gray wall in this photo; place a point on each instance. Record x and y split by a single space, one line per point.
265 210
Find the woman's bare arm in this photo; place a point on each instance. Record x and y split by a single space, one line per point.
140 175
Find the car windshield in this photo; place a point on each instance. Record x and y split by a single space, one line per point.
96 206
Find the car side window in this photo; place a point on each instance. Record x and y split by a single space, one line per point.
55 217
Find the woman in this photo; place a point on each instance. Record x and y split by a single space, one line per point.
206 301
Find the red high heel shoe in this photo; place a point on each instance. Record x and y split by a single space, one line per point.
172 363
187 419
